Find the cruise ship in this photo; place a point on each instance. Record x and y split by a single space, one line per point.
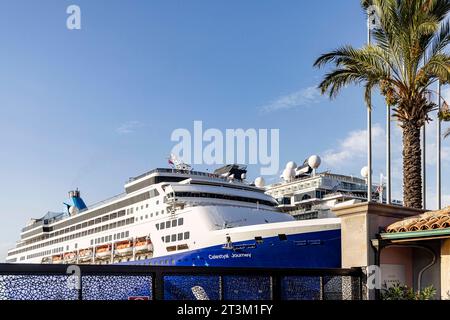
180 217
306 194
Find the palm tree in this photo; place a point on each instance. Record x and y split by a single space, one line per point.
407 56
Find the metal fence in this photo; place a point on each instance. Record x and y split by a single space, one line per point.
123 282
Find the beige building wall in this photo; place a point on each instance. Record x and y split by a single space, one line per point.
445 269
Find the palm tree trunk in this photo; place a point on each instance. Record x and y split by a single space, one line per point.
412 168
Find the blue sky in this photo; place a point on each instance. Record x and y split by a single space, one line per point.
89 108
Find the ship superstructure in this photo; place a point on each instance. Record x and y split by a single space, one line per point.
307 194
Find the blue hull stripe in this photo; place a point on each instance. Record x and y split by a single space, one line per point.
320 249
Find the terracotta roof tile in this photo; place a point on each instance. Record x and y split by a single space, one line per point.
431 220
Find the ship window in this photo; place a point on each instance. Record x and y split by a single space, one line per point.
127 234
169 249
105 218
162 225
259 239
146 216
98 220
167 238
174 237
84 225
122 235
186 235
174 223
78 226
157 201
167 224
162 238
157 212
113 215
282 237
153 193
137 208
157 226
110 237
91 222
122 213
180 221
72 228
131 210
104 228
142 207
162 211
115 236
180 236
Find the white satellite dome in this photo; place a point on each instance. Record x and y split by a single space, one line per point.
73 210
288 174
260 182
365 172
314 161
291 165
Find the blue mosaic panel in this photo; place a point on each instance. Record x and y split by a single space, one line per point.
36 287
300 288
191 288
332 288
247 288
116 287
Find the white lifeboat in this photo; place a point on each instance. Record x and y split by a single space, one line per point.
124 248
70 257
143 244
57 259
85 254
102 252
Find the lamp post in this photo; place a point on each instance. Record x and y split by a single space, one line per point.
424 168
371 22
388 155
438 147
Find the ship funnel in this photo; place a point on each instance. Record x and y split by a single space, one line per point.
77 201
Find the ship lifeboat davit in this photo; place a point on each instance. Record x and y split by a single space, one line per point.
58 259
103 252
46 260
143 245
70 257
85 255
124 248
